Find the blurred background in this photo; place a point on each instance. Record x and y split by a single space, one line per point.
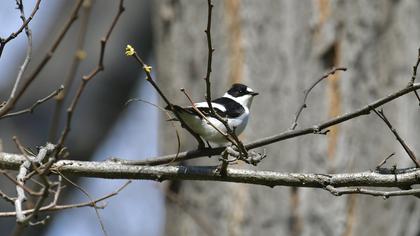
278 48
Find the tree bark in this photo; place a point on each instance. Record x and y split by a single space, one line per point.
279 48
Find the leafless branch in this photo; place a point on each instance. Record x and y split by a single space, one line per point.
79 55
281 136
7 198
305 97
209 56
407 149
384 161
32 108
414 75
10 103
178 139
23 220
149 78
400 178
376 193
95 207
24 25
28 190
87 78
28 56
54 207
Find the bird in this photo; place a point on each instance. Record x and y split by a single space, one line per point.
234 106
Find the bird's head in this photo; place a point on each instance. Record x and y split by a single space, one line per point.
241 94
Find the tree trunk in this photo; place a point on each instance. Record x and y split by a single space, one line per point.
279 48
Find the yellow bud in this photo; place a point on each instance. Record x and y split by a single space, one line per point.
81 54
129 50
147 68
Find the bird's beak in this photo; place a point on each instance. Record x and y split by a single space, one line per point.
254 94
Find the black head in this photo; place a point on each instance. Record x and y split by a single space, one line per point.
238 90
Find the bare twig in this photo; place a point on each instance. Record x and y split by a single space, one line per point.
28 57
7 198
178 139
283 135
28 190
147 69
377 193
79 55
407 149
414 75
10 103
209 56
87 78
54 207
305 97
37 103
24 25
95 207
243 154
384 161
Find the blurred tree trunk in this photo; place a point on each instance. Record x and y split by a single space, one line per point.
279 48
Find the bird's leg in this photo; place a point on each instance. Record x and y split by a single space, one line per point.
201 144
222 168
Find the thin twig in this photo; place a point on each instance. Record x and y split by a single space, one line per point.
231 133
10 103
384 161
414 75
209 56
25 23
28 57
95 207
377 193
407 149
178 139
283 135
149 78
37 103
87 78
79 55
305 97
54 207
7 198
28 190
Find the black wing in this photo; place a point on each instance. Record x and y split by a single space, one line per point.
204 110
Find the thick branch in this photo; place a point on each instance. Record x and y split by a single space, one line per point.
112 170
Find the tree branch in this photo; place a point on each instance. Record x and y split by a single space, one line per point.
110 170
25 23
86 78
277 137
9 105
308 91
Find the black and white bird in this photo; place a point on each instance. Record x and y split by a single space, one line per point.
233 106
